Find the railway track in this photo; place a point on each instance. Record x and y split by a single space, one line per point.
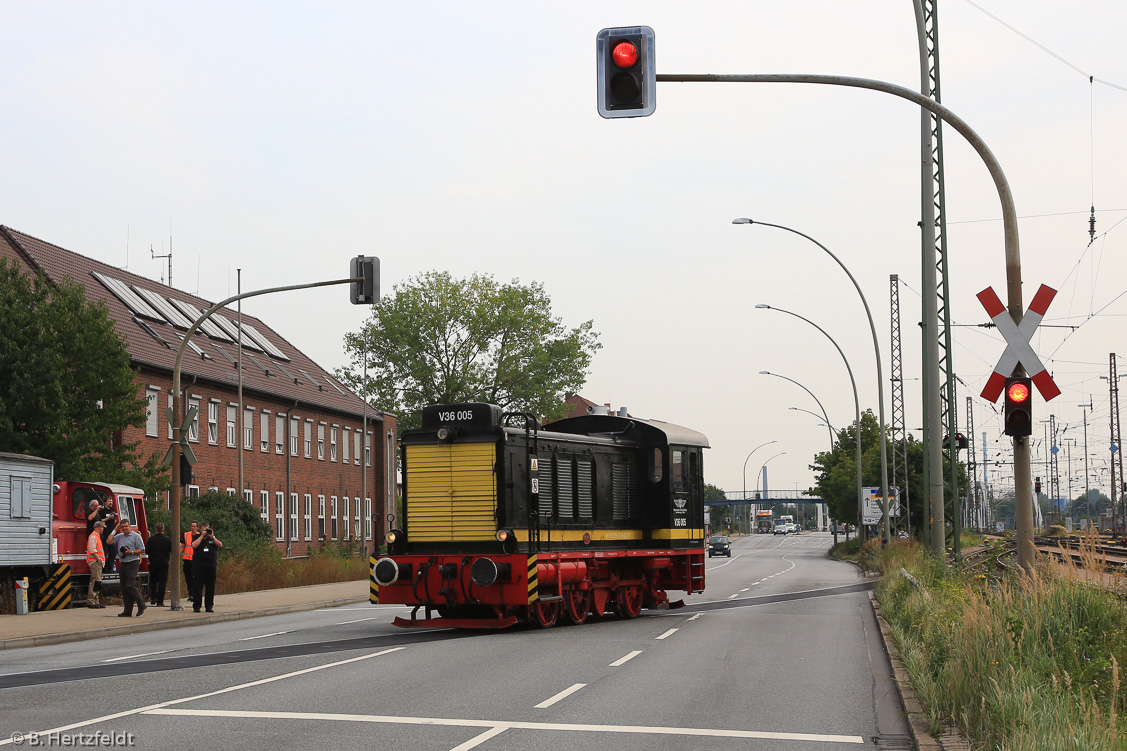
1109 552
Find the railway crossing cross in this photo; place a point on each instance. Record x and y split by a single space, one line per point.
1018 349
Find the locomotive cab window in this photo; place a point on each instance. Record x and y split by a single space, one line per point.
656 466
677 471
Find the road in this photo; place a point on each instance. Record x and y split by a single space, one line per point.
780 652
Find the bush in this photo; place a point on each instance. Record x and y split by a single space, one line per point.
235 520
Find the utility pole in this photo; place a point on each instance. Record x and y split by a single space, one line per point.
1087 487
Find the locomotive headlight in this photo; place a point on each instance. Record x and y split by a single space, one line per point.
445 434
504 535
386 572
393 536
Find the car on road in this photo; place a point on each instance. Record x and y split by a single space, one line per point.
719 545
782 528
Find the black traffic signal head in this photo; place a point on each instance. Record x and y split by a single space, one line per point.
366 292
627 78
1037 485
1018 415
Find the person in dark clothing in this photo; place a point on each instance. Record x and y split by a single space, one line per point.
108 514
158 548
205 565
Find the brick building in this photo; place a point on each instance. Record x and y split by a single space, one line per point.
300 431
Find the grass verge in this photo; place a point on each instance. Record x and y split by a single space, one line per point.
269 570
1014 661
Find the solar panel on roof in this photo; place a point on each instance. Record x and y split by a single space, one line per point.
208 326
233 331
261 367
171 314
149 330
332 383
266 343
311 379
195 348
289 375
226 356
127 296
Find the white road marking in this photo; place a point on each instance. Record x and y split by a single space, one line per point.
344 623
494 724
732 597
667 634
134 657
744 589
698 615
477 740
560 696
263 636
154 707
623 660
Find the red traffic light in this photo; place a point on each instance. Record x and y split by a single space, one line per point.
625 54
1017 392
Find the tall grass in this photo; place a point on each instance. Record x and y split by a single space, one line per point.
1014 661
269 570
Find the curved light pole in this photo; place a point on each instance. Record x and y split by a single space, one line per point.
856 399
819 417
825 416
745 464
886 528
764 493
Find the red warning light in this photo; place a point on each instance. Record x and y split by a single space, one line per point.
625 54
1018 392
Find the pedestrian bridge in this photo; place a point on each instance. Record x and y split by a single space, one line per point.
763 497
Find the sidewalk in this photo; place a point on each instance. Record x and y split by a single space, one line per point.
79 624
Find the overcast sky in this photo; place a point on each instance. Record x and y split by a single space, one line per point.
284 138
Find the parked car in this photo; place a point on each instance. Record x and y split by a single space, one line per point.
719 545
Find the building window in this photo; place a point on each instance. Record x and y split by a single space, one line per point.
344 446
333 444
368 517
232 434
321 442
193 491
308 439
293 516
320 517
333 519
308 516
213 423
368 450
264 432
170 412
248 496
213 488
344 520
231 492
356 447
293 436
248 428
279 434
152 416
279 510
264 510
356 520
194 426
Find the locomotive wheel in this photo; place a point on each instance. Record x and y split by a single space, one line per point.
578 605
628 597
545 614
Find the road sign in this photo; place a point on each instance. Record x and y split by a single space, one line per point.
870 505
1017 338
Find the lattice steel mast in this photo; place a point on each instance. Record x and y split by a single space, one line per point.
899 429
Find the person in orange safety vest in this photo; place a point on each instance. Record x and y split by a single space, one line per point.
194 531
96 559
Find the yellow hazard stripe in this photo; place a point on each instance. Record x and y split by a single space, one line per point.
533 593
373 585
54 591
576 535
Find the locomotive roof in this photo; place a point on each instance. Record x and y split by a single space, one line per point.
647 430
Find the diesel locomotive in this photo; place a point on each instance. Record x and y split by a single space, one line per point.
505 520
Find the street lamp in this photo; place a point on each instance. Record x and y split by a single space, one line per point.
825 416
856 398
762 471
818 417
745 464
886 528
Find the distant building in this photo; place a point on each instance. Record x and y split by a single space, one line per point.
300 430
577 405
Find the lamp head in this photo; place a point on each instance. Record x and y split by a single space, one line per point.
764 306
765 372
742 220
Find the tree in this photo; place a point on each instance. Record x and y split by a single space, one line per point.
66 384
440 340
836 473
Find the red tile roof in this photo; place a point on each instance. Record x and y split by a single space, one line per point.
58 263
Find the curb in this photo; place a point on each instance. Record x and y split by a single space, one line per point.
134 628
917 721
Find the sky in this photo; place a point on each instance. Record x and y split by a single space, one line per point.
283 138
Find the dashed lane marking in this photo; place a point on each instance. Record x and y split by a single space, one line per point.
345 623
134 657
623 660
667 634
561 695
507 725
263 636
698 615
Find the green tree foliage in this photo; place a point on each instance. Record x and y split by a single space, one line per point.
836 472
236 522
66 385
440 340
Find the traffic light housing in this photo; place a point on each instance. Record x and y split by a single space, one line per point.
627 75
367 291
1018 414
1037 485
185 470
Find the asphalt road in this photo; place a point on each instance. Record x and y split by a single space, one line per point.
780 652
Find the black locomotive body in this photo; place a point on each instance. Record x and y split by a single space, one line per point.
507 520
